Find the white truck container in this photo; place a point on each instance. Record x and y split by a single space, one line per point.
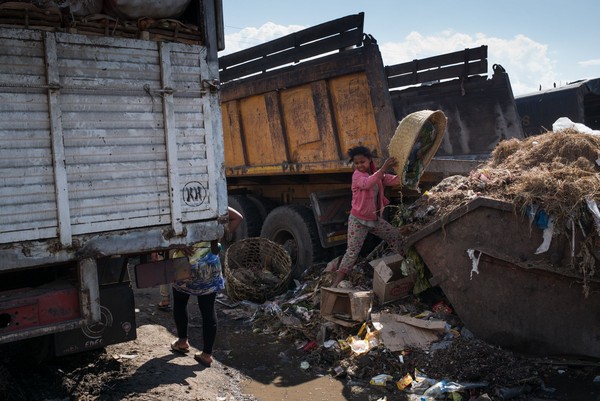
109 147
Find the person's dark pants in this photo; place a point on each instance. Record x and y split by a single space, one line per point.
206 304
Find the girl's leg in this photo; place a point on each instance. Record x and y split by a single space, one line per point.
206 303
389 234
180 315
356 238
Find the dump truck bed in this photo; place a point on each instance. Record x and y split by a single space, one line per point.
483 256
295 105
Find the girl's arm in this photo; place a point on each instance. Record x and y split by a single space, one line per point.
365 181
391 180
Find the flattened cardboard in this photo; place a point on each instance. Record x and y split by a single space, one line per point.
401 331
389 284
343 301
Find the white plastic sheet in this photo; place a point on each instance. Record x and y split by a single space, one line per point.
474 261
565 123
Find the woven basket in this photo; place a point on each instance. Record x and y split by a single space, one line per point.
415 142
256 269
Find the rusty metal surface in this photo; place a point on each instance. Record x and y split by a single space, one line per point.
518 300
161 272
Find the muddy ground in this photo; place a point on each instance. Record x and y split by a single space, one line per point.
254 366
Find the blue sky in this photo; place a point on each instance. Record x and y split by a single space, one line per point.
538 43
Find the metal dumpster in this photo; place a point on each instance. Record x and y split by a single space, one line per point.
516 299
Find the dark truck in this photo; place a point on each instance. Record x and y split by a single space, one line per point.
579 101
292 107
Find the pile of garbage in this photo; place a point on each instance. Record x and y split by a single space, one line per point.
433 357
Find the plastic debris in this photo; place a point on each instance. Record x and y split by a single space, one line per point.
304 365
338 371
359 346
404 382
593 207
309 346
563 123
416 397
343 345
547 235
437 390
380 380
474 261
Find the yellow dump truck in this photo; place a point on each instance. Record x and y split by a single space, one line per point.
292 107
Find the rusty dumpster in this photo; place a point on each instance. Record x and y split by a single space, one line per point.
483 256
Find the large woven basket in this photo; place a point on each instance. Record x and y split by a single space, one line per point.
415 142
256 269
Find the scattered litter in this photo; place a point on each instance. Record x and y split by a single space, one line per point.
380 380
404 382
125 356
474 261
547 235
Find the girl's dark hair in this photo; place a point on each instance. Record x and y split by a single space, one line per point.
359 150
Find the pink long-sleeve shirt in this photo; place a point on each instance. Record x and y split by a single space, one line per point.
363 193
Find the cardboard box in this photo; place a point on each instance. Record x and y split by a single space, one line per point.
389 284
346 307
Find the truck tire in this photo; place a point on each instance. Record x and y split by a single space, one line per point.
252 222
263 205
294 227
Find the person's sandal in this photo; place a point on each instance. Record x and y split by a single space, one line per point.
164 305
204 359
178 349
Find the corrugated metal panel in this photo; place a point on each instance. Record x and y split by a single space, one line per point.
111 111
27 200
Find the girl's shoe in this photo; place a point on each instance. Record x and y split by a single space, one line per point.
204 359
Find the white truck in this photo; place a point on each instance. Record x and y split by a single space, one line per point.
110 147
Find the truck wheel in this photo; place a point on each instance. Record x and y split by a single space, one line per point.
263 205
252 222
294 227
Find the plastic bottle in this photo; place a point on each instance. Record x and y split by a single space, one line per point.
437 390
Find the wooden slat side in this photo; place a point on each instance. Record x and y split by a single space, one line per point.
338 26
446 66
293 55
462 70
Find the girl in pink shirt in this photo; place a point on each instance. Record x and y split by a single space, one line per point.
368 202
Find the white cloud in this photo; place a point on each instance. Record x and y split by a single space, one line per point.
251 36
589 63
526 61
